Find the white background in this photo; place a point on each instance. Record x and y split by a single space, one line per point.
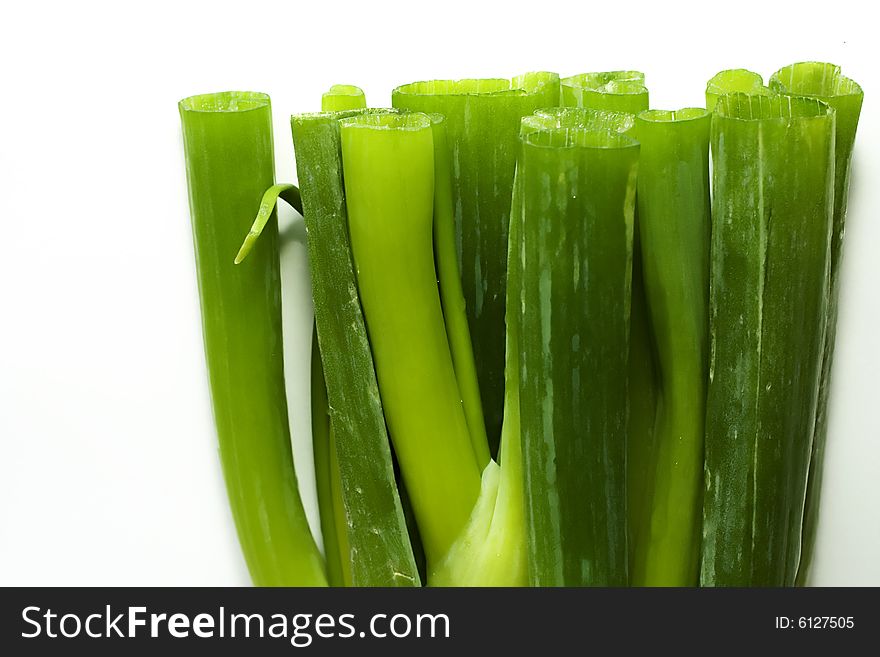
108 465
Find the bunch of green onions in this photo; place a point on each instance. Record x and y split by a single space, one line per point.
542 356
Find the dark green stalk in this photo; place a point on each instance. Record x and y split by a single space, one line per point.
229 158
482 125
824 82
673 201
379 551
578 197
625 91
773 175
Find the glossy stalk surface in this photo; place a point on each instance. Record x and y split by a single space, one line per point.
229 161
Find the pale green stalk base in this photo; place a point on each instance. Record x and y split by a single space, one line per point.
389 184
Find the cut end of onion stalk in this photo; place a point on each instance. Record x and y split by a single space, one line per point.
818 79
622 91
407 121
225 101
578 138
769 108
343 97
732 81
521 85
578 117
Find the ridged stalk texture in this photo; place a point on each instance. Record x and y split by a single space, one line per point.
825 82
625 91
577 191
343 97
339 97
773 175
379 551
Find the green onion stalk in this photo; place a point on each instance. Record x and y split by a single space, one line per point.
229 162
482 125
340 97
571 251
393 176
772 214
365 508
674 225
625 91
389 186
825 82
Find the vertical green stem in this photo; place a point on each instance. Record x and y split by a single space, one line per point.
625 91
229 160
673 201
773 175
824 82
389 186
578 197
379 551
482 122
451 295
